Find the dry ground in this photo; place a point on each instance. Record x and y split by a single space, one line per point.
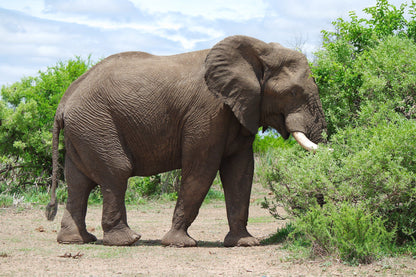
28 247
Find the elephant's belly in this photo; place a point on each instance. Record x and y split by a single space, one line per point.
157 157
155 167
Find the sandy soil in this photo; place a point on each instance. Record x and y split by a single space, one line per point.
28 247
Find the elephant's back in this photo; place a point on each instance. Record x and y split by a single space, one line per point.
140 59
129 84
124 57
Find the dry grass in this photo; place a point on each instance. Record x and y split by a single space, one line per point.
28 247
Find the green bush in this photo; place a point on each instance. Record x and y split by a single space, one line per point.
365 72
143 187
281 235
6 200
268 140
367 58
373 165
388 75
165 186
153 186
383 73
382 20
352 233
27 109
338 84
366 75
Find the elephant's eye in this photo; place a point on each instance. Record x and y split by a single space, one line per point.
296 90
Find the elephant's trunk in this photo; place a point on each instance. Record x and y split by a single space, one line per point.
304 141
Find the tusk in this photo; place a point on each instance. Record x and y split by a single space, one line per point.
304 141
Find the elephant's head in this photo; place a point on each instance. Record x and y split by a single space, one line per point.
267 85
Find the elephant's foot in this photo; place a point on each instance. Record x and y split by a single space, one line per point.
72 236
241 239
120 237
178 238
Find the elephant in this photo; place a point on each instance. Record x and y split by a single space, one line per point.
138 114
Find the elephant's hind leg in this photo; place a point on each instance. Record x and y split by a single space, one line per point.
114 221
73 229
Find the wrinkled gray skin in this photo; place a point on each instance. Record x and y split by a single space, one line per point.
140 114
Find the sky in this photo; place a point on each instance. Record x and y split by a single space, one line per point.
35 34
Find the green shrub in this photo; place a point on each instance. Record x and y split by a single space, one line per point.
27 109
348 231
374 165
281 235
143 187
367 58
154 186
268 140
388 75
382 20
382 74
366 75
6 200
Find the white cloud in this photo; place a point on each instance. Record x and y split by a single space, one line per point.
28 6
38 33
90 7
236 10
110 15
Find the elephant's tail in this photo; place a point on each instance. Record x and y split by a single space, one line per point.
52 207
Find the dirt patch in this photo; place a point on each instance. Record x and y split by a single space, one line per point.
28 247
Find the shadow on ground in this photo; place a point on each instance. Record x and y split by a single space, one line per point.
202 244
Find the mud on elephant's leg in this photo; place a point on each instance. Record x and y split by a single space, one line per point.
237 177
73 228
114 221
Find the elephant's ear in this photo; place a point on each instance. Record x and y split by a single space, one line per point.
234 73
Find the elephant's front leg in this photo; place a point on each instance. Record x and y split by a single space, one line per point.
196 181
237 177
